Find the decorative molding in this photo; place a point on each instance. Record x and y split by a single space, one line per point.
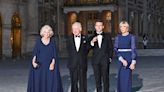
90 8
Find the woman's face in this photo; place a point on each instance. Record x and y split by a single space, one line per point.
46 33
124 28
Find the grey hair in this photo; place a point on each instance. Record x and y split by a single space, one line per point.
77 24
46 27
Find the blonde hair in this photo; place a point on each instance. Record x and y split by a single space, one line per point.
124 23
44 28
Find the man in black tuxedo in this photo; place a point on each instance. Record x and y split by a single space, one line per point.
77 64
102 55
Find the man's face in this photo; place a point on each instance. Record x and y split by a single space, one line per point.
76 30
99 26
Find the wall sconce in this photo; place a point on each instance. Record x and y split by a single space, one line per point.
132 15
149 17
159 20
54 18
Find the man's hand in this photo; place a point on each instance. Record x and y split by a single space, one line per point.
94 39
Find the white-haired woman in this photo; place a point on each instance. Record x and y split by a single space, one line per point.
44 71
126 51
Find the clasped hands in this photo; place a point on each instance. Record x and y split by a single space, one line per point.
125 63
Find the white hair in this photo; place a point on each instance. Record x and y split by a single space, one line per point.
44 28
78 24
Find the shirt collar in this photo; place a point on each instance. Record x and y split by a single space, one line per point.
125 34
99 32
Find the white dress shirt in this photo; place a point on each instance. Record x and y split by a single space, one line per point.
77 42
99 39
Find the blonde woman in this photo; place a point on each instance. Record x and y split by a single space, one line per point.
44 72
126 51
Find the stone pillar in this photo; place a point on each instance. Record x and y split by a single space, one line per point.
151 27
0 36
82 19
145 19
11 7
136 20
33 31
126 10
162 27
115 19
148 26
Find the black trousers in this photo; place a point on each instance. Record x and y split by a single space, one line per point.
101 73
78 76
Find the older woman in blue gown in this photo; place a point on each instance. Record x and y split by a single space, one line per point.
126 51
44 71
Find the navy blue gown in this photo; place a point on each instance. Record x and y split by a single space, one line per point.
125 47
42 79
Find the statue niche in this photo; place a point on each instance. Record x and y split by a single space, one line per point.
16 30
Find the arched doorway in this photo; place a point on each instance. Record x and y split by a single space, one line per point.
16 35
0 36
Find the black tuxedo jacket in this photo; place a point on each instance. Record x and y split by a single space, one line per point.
77 59
103 54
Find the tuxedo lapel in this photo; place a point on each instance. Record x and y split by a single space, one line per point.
96 43
103 40
73 43
80 44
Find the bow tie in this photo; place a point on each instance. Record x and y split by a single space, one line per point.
77 36
99 33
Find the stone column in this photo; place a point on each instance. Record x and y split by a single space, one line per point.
136 20
115 19
126 10
33 30
82 19
145 19
0 36
6 25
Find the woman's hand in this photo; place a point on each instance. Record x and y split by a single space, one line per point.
132 66
124 62
52 65
34 64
